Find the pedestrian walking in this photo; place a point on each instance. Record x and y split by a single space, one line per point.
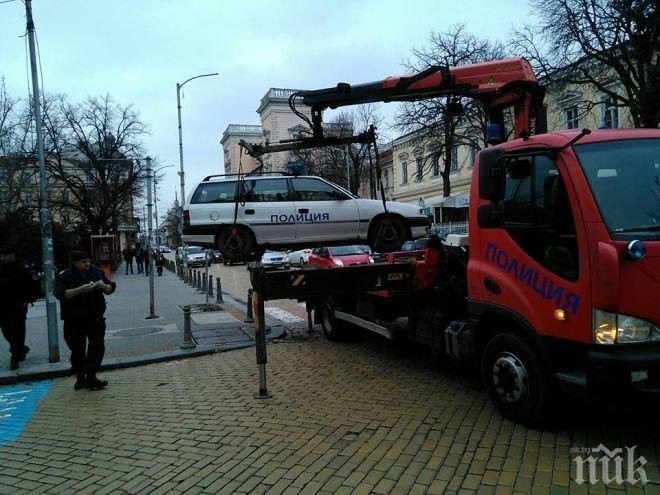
128 258
81 290
138 253
19 286
160 263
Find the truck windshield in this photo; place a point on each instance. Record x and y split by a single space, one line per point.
624 177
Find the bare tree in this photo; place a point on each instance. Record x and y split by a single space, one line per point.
93 151
598 43
347 165
440 124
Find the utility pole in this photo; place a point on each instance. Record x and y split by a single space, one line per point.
44 212
156 213
150 258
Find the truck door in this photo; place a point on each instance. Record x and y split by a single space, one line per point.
267 209
323 211
532 264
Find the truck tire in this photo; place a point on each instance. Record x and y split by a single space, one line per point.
516 379
332 328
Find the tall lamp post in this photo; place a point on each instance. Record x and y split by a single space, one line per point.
181 171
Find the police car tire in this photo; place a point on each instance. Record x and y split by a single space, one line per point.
534 407
246 245
387 234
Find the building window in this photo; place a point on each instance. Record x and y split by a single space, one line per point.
387 179
610 113
420 169
474 149
89 178
65 216
571 120
435 166
404 172
454 160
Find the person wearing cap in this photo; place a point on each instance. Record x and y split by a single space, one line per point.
81 290
19 286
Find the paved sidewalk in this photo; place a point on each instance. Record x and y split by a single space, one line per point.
131 338
355 417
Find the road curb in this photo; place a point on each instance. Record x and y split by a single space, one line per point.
57 370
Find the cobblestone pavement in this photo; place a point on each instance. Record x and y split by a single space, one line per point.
352 417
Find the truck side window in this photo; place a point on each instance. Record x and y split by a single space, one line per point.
538 217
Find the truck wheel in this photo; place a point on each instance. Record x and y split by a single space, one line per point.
236 244
332 328
516 379
387 234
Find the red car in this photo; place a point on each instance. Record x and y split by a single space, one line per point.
331 257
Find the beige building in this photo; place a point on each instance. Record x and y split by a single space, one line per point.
278 122
414 175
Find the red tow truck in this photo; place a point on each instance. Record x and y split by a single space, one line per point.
558 281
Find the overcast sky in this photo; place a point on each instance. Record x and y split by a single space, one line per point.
137 50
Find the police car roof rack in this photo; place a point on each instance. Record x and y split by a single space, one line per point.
208 177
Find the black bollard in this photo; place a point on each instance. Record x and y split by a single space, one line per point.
249 318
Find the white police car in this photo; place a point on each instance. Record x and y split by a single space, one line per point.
292 212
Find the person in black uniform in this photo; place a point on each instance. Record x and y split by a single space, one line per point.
81 290
19 286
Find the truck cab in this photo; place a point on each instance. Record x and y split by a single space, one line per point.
565 260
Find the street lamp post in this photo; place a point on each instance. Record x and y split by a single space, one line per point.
181 171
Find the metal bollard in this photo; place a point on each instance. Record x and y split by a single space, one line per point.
210 286
310 326
188 342
190 277
218 291
249 318
204 285
199 280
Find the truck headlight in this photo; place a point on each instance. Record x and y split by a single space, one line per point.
614 328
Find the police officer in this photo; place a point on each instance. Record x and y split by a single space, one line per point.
81 290
19 286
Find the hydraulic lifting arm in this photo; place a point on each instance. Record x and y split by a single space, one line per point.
498 85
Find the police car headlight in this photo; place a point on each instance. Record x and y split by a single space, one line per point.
614 328
338 262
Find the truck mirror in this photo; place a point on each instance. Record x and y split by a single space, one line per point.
490 216
518 168
492 176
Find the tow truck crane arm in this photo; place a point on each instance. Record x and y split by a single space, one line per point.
498 84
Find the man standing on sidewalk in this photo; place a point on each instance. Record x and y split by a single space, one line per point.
128 258
81 290
19 286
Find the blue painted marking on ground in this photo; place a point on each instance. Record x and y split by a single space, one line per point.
17 405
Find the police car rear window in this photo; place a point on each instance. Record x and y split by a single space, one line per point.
215 192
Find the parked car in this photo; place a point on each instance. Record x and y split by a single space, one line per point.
215 256
164 249
196 256
330 257
416 245
276 212
300 257
275 258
